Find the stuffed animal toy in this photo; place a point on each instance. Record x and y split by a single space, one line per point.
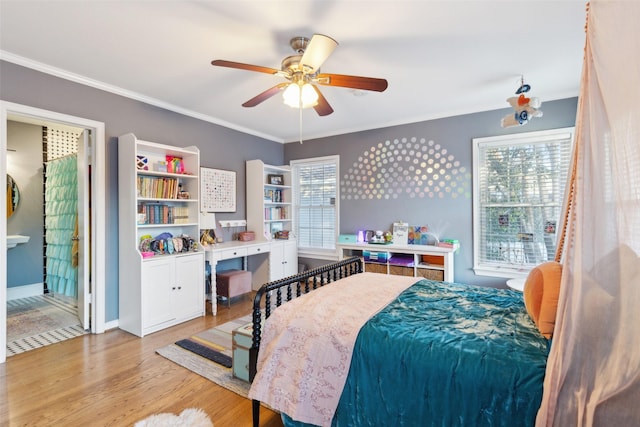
524 108
207 237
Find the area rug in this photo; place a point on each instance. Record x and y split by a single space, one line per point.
37 321
188 418
218 338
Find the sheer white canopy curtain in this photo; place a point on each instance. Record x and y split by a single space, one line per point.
593 371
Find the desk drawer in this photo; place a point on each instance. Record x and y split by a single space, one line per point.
233 253
253 250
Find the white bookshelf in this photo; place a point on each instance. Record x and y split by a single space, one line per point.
269 209
269 206
167 288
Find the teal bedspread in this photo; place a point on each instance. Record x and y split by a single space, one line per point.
445 354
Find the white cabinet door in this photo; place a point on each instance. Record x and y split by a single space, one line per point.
290 250
188 299
157 292
283 259
276 259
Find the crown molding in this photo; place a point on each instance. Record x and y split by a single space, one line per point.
86 81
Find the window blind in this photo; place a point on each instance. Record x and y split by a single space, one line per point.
315 193
520 186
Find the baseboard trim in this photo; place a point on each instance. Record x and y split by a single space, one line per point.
25 291
111 325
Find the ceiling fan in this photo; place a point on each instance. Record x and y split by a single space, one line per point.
302 72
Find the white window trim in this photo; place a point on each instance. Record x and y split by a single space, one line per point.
524 138
324 254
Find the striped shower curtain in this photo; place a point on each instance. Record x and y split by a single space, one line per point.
61 213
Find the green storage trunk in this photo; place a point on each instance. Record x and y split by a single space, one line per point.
241 338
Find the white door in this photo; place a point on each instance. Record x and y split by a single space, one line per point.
84 240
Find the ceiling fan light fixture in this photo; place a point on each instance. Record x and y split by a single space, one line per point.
300 96
302 72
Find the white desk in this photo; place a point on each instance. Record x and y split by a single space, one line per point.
437 258
231 250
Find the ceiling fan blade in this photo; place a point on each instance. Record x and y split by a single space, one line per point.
265 95
353 82
317 51
241 66
322 107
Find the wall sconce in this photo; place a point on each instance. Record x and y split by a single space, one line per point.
298 95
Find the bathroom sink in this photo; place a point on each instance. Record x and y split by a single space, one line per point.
14 240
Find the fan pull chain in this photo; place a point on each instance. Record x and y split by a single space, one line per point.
300 122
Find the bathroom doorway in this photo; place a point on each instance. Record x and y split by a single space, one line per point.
91 299
45 275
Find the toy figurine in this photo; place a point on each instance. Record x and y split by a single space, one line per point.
525 108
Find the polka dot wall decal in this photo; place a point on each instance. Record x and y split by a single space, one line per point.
415 167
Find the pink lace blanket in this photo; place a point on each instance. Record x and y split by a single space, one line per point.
306 345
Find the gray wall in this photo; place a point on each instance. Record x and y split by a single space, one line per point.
228 149
450 216
220 147
25 262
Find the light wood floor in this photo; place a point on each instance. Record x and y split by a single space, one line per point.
116 379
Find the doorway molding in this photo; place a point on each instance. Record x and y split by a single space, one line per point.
10 110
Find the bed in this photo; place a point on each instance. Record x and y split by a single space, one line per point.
343 347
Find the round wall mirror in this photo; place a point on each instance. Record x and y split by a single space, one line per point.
13 196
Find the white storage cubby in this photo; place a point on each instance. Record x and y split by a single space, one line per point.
430 262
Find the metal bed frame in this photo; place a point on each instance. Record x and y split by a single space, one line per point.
263 303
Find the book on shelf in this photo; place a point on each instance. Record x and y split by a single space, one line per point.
157 187
275 213
165 214
181 215
273 196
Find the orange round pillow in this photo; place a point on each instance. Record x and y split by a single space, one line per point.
541 292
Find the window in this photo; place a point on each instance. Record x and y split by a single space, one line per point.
315 205
518 196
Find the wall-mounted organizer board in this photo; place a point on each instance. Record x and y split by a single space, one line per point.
217 190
